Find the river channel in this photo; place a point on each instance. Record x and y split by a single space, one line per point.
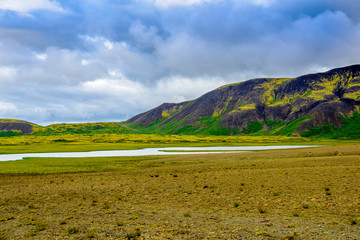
148 152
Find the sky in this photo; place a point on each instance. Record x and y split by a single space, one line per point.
107 60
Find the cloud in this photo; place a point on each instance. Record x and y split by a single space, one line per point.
263 40
123 88
179 89
25 6
169 3
6 107
109 60
187 3
145 37
117 93
7 73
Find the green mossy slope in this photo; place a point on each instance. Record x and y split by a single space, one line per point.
266 106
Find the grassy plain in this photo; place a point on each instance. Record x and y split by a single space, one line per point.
93 142
279 194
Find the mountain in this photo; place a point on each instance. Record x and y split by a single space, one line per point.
312 104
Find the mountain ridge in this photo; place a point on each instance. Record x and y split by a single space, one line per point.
317 99
319 104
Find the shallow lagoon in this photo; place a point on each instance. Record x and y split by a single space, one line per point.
148 152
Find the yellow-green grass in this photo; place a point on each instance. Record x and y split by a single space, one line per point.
4 120
78 165
76 143
255 195
209 151
81 128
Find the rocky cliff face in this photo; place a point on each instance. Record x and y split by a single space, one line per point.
311 100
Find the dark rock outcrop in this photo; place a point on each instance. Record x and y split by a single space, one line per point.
25 128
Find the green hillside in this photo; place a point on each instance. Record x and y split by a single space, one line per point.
82 128
314 105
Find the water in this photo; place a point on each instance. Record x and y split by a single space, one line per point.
144 152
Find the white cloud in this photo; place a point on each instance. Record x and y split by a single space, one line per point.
109 45
25 6
114 95
7 73
114 87
179 89
85 62
117 93
264 3
6 107
42 56
170 3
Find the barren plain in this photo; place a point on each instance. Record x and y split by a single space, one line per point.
279 194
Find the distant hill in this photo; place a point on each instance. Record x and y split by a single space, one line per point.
322 104
13 127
